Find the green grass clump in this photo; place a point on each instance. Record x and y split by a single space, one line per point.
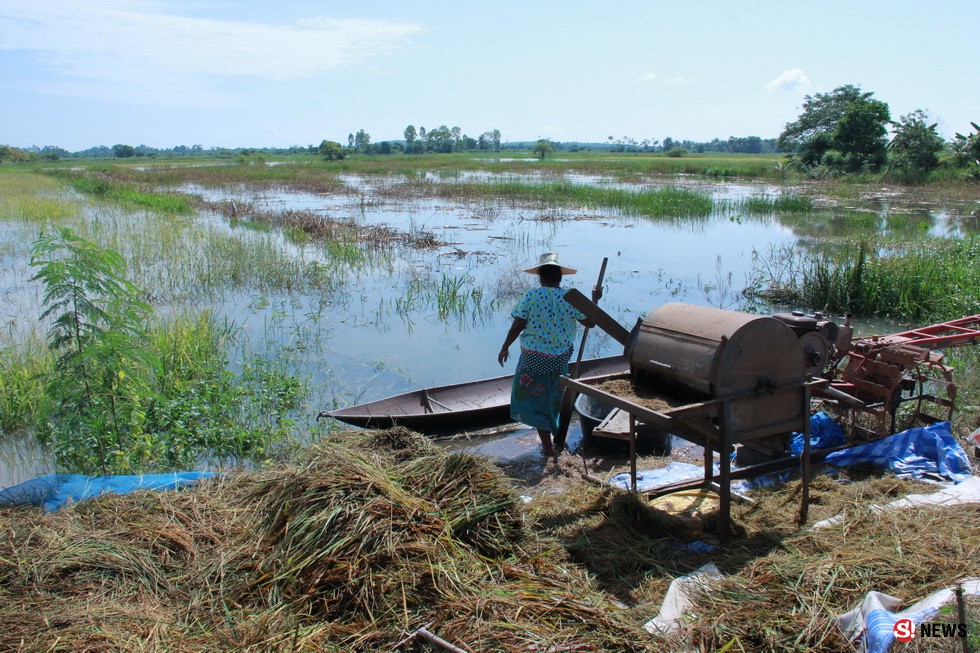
937 278
23 369
307 175
162 203
661 202
32 198
783 203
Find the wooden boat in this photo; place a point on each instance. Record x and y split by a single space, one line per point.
456 407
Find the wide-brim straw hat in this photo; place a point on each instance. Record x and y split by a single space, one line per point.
550 258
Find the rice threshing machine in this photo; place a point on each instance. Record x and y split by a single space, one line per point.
725 378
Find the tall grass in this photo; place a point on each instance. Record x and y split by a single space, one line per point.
450 297
933 279
309 175
24 368
653 203
620 165
175 257
782 203
32 198
662 202
163 203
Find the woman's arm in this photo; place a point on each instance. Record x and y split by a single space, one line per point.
515 330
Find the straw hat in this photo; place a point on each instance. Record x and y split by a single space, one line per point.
550 258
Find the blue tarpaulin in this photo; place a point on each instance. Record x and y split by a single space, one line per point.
56 490
928 451
824 433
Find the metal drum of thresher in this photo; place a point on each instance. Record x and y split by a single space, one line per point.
697 353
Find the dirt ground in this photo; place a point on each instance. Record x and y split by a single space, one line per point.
535 474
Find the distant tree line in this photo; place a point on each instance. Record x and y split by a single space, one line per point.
734 144
845 131
122 151
441 139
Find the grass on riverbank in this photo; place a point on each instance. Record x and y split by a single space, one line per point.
924 279
187 406
660 202
153 201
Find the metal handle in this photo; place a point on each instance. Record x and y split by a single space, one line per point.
663 365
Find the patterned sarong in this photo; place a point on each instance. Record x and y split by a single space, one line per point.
535 398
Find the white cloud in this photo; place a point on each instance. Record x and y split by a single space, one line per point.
127 47
790 80
647 78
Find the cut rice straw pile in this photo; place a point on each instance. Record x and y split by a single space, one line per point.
367 538
349 548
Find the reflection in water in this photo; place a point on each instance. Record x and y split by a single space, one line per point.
22 458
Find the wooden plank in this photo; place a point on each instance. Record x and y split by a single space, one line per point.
602 319
617 422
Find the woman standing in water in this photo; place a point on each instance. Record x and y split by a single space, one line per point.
546 324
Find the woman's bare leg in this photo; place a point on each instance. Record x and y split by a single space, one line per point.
546 445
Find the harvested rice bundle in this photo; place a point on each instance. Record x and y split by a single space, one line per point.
480 507
402 444
333 529
548 608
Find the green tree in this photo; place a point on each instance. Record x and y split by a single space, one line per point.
410 136
916 145
440 139
331 150
966 149
861 135
97 329
362 141
123 151
843 129
542 148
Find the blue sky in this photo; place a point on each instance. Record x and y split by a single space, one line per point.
224 73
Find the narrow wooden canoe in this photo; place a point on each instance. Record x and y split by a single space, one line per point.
456 407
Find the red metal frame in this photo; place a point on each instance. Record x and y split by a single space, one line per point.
954 333
880 369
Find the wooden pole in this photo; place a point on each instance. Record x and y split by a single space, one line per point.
568 397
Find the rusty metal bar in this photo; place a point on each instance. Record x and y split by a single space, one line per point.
805 502
725 480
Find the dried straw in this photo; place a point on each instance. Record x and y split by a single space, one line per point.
363 540
351 547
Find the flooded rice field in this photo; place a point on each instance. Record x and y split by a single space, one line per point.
432 305
389 332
